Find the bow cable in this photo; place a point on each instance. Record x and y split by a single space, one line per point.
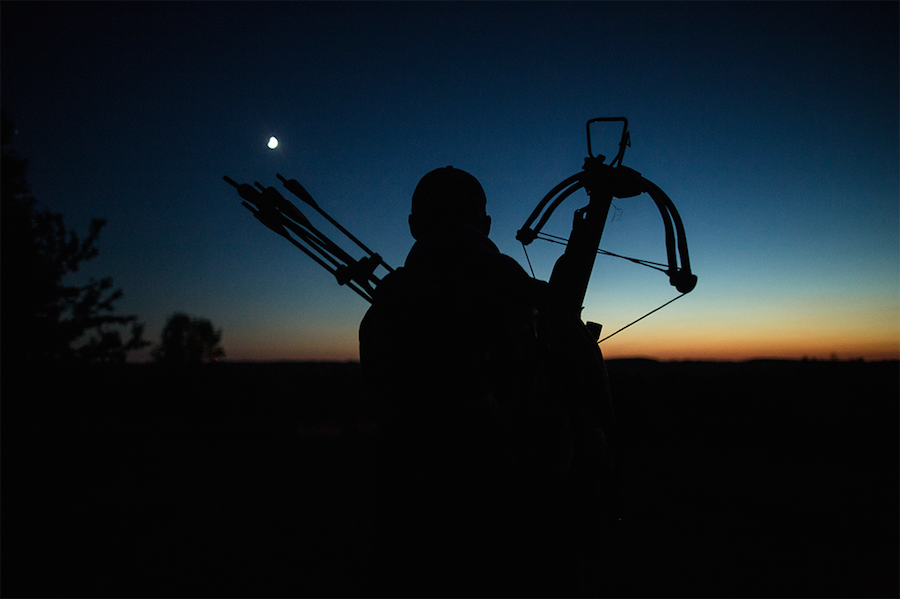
654 265
643 317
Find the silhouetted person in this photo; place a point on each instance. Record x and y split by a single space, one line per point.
492 398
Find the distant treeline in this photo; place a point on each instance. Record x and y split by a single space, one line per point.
334 391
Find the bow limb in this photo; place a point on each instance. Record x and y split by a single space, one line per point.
681 278
562 197
526 235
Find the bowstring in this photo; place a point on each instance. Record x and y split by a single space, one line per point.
654 265
649 264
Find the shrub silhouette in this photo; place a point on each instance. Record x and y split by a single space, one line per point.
188 340
43 320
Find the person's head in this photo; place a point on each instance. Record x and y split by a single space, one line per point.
448 196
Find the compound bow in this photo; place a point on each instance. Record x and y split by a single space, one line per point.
603 182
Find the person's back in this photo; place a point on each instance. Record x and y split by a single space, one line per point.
478 433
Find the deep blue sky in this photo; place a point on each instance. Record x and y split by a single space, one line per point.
773 127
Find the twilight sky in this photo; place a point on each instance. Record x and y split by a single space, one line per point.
773 127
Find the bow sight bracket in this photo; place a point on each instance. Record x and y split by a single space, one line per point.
623 143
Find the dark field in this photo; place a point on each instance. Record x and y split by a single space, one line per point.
751 479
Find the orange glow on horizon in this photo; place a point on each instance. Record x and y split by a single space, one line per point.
869 332
742 346
663 347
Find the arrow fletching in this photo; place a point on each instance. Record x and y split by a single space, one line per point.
298 190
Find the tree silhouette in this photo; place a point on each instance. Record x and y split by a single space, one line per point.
187 340
42 319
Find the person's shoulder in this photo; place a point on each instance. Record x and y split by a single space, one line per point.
405 288
388 299
391 285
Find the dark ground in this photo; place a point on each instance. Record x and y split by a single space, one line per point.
756 479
